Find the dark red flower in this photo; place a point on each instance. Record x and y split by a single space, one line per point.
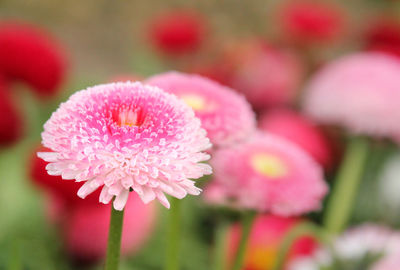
11 125
383 34
178 32
64 190
29 54
312 21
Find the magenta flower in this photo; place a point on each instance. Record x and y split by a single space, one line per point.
126 136
267 174
225 115
360 92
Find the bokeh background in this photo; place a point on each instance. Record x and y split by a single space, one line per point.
104 40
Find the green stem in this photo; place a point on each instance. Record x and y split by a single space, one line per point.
348 179
247 224
221 245
173 241
114 239
15 260
302 229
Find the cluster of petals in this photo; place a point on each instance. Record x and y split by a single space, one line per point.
11 124
353 246
224 114
265 240
359 92
266 174
30 55
178 32
126 137
300 130
309 21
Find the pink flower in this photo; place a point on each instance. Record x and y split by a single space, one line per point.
87 240
124 136
312 21
358 91
225 115
265 241
266 75
178 32
300 130
268 174
29 54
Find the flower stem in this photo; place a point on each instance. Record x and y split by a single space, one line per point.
247 224
173 240
347 182
114 239
302 229
220 245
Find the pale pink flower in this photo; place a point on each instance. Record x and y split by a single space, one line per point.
267 174
127 136
360 92
224 114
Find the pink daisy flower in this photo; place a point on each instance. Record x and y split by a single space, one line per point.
126 136
300 130
224 114
360 92
267 174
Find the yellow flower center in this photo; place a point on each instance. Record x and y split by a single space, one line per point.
268 165
197 102
128 118
261 257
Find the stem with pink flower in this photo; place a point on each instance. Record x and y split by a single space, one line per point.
247 224
347 182
173 235
114 240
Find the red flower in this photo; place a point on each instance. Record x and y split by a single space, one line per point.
30 55
383 34
11 125
178 32
312 21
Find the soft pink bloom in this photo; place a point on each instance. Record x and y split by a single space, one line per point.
360 92
266 75
300 130
225 115
265 240
123 136
268 174
390 263
86 229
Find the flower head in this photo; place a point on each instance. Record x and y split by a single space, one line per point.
126 136
265 240
178 32
359 92
29 54
267 76
369 243
268 174
312 21
300 130
225 115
